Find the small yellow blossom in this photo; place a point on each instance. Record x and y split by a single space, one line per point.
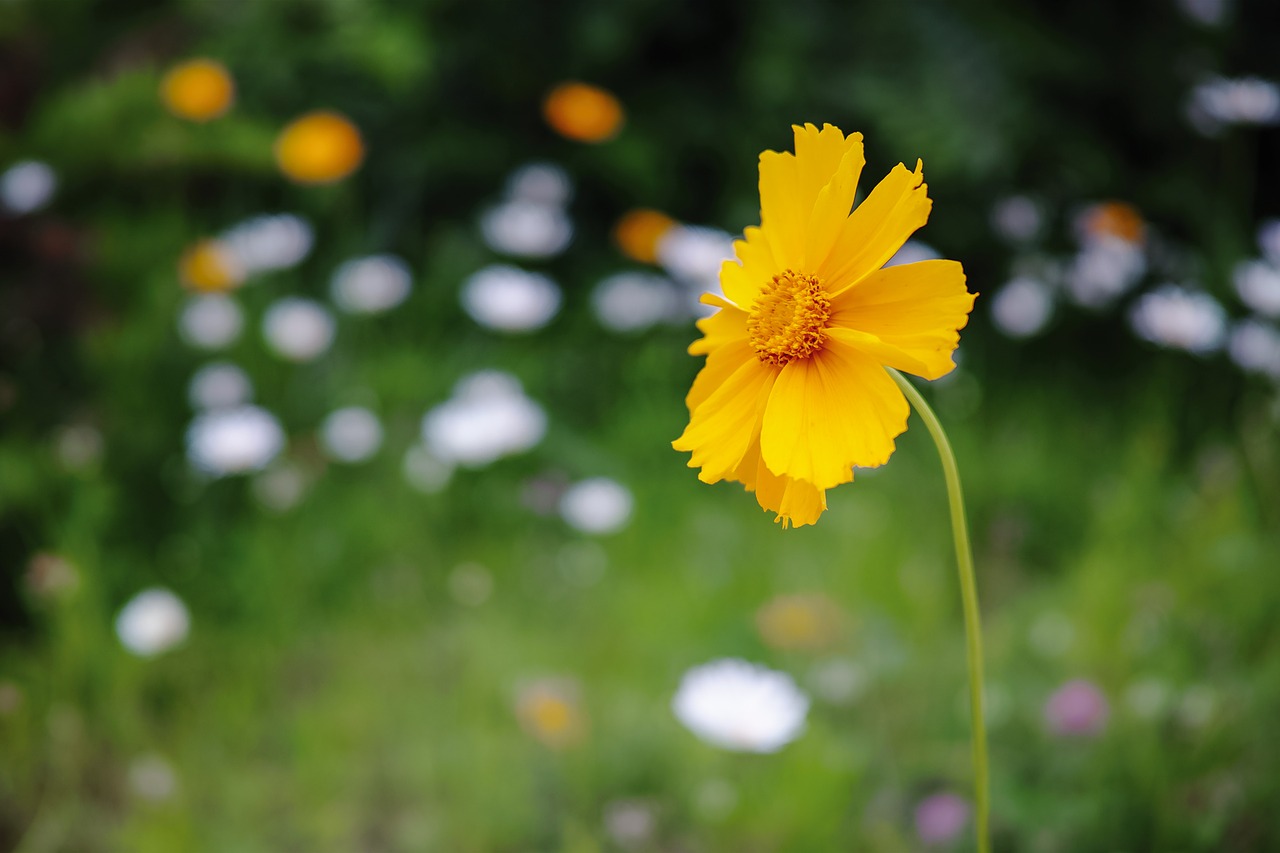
198 90
319 148
551 712
208 267
799 622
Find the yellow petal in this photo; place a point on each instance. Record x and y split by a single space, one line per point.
743 279
783 216
723 427
721 364
829 413
831 208
877 228
726 325
908 316
796 502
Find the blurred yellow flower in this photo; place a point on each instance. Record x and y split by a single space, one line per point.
551 712
199 90
799 622
794 393
638 233
583 112
208 267
319 148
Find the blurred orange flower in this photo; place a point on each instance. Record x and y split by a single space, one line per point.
208 267
198 90
1113 219
794 394
638 233
583 112
551 712
799 622
319 148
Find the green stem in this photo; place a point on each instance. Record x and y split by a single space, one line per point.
969 597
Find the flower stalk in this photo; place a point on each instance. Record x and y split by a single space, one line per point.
969 599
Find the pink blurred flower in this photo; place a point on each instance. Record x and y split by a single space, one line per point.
1077 708
941 818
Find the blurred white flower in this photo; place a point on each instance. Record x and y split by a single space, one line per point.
1269 240
526 229
352 434
1148 698
211 321
838 681
77 446
1022 307
1017 219
540 183
913 251
738 705
298 329
1254 346
510 299
1258 285
152 778
693 255
219 385
154 621
424 471
1182 319
1051 635
1227 101
232 441
1207 12
280 486
598 505
27 186
371 285
487 418
1104 269
269 242
1197 706
630 824
633 301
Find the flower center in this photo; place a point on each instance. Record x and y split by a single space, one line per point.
789 318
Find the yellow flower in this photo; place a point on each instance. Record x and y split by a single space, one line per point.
208 267
199 90
551 712
319 148
794 393
799 622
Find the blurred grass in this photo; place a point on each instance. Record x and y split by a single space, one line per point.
335 692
